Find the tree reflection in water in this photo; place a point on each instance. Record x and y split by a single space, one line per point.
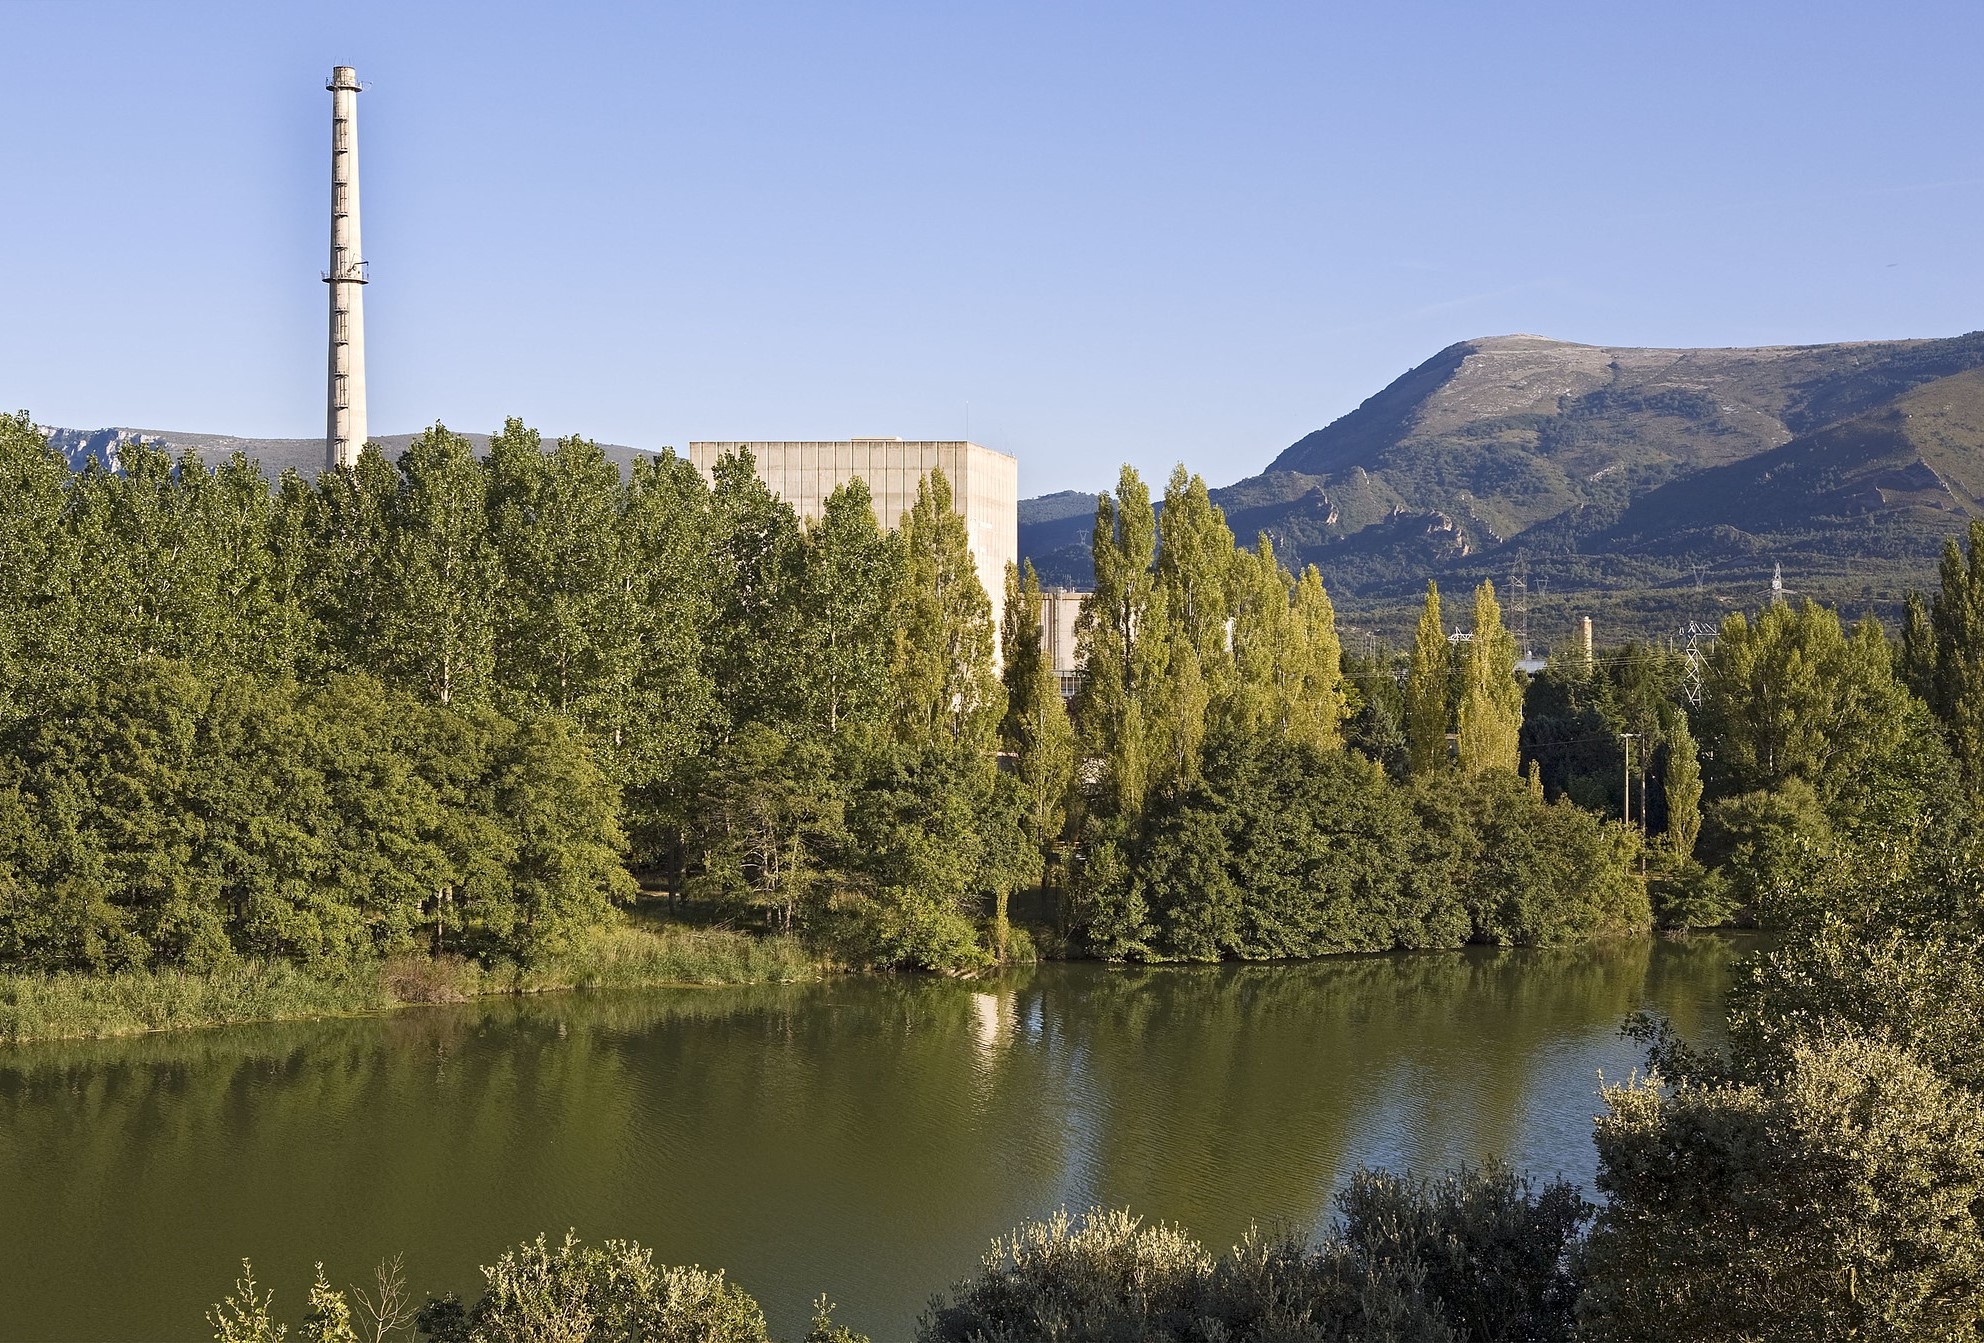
865 1137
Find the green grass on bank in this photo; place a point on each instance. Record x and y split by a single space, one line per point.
133 1002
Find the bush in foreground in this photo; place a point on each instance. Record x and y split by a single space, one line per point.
534 1293
1475 1254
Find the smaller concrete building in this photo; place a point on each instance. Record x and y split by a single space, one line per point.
1059 608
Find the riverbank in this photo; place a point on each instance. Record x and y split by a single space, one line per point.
136 1002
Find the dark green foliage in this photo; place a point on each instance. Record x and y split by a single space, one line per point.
1281 850
434 702
1472 1255
1835 1200
1794 694
170 819
1574 712
1822 1175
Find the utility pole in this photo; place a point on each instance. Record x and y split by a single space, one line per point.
1519 604
1626 780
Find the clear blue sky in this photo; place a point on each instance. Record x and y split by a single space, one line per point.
1144 232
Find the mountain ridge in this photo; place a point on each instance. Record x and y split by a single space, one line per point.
305 456
1624 478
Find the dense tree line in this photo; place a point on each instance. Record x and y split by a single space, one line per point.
1257 793
437 702
806 725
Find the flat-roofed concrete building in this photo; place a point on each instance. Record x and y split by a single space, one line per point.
985 486
1059 609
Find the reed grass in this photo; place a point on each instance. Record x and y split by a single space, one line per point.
623 955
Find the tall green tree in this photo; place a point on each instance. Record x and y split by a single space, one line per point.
39 570
661 710
1682 785
1491 694
1288 660
1196 561
1263 640
346 578
437 631
1793 695
853 577
756 657
1313 674
1123 640
945 687
562 637
1427 690
1916 655
1037 731
1955 671
178 559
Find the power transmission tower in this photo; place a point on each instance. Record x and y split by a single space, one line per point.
1691 674
1519 604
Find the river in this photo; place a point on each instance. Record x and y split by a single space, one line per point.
864 1137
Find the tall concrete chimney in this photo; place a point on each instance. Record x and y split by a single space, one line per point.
344 428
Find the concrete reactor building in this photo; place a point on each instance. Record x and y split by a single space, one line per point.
985 486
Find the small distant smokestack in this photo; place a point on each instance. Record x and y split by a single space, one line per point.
344 427
1587 640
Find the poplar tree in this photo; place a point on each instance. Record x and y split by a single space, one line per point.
1916 658
1123 640
38 570
1036 730
154 558
1491 695
1312 677
1426 690
561 640
853 573
438 627
756 662
1196 558
1263 632
945 688
1682 785
262 583
1196 562
663 713
1956 674
346 584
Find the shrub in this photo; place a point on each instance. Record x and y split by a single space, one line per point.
578 1293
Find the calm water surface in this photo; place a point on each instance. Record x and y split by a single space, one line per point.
865 1138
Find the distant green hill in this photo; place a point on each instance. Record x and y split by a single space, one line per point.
1646 487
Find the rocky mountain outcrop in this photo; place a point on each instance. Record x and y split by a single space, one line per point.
1617 475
